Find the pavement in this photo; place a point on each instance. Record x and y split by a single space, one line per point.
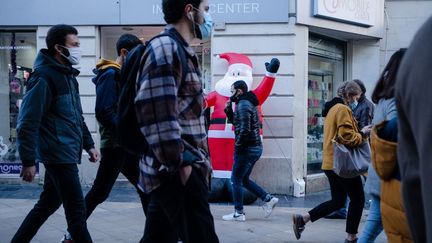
121 219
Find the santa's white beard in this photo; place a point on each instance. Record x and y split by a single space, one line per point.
223 86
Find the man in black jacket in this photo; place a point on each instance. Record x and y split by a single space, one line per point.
247 150
51 130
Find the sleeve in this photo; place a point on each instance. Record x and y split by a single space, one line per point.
391 111
364 117
243 126
156 103
229 113
348 133
263 90
35 104
88 142
106 100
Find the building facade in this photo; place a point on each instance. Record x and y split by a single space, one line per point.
320 43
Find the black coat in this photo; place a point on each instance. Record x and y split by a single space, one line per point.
246 122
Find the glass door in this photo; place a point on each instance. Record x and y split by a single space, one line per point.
325 73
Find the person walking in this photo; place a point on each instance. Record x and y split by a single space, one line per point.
385 110
341 123
51 130
114 159
363 112
169 106
247 150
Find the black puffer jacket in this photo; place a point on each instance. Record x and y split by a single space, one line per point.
246 122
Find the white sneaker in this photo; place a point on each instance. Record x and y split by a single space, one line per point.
67 238
268 206
234 217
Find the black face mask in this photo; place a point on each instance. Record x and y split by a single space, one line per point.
234 98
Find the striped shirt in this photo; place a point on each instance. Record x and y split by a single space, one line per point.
170 113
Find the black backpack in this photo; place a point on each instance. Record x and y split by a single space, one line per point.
130 136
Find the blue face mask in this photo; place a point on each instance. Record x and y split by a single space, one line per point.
353 104
206 27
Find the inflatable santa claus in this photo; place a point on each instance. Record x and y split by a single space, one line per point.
221 132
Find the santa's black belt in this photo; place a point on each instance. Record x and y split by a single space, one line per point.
218 121
222 121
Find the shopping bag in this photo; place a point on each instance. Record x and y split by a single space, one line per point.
351 162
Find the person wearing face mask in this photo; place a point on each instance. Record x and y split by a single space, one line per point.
247 151
202 31
113 158
339 124
363 109
51 130
175 170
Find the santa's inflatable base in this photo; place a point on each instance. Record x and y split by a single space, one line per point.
221 191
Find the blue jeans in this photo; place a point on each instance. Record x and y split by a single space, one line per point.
373 226
244 162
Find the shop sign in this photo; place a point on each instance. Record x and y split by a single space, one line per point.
12 168
358 12
130 12
226 11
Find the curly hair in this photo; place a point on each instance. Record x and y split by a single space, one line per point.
348 89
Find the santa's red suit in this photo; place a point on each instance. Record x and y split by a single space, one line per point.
221 133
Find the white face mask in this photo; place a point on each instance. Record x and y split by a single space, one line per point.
74 55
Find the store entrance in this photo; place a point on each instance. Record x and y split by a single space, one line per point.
325 73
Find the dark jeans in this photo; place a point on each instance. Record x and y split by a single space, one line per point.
244 162
62 185
113 161
176 211
340 187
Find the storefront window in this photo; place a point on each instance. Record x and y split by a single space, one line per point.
17 54
325 72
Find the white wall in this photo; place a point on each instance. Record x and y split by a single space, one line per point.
404 19
364 62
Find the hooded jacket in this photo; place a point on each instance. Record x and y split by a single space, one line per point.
384 160
364 112
51 128
246 122
107 92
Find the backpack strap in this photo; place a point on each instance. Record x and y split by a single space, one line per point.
181 51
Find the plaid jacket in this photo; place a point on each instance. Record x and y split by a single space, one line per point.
170 113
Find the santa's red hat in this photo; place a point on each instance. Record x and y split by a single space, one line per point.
235 58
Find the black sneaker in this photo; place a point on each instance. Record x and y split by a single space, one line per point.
298 225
